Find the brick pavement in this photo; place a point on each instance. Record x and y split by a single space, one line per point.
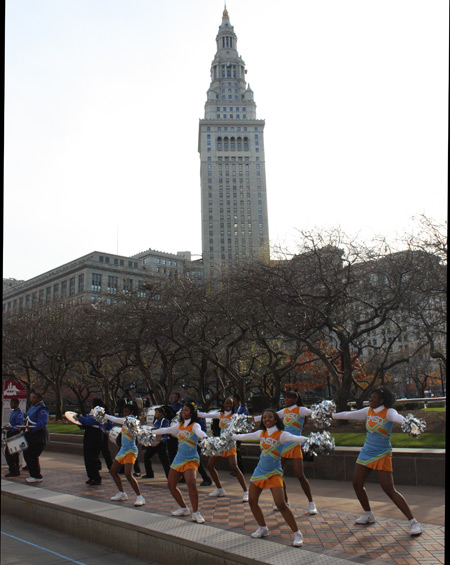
331 532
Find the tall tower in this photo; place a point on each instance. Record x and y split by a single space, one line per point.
233 177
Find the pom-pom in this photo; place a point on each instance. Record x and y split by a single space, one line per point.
413 426
144 436
216 446
321 413
99 414
319 443
132 424
240 424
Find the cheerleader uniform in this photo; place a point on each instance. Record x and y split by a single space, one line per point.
224 421
188 435
128 450
377 450
268 473
293 420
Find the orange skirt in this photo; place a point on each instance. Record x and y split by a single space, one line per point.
294 453
271 482
383 464
186 466
130 459
228 453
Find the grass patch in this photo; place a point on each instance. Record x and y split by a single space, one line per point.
426 440
64 429
437 409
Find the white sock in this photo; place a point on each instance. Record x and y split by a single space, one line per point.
412 521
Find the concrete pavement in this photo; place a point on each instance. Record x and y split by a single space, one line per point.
331 534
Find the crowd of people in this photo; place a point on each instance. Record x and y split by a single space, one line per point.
179 427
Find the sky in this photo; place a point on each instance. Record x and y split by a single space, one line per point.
103 100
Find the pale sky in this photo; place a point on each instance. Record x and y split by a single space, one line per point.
103 99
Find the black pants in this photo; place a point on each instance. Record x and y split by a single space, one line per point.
161 450
201 469
12 459
240 464
106 451
92 446
31 456
172 447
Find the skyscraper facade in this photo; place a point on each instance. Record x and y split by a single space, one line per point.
232 170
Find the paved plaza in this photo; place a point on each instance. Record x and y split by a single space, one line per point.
331 532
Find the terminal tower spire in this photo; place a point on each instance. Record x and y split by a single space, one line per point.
232 169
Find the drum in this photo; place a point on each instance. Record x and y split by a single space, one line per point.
113 433
16 444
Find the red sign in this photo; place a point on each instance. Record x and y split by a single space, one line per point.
12 389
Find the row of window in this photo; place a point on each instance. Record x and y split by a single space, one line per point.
117 262
230 128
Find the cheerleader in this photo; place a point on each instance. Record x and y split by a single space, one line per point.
224 417
293 416
269 474
186 461
377 454
126 456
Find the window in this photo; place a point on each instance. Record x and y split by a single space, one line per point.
113 283
71 286
80 283
96 282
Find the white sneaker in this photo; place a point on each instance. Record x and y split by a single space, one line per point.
261 532
218 492
312 508
245 496
197 517
181 512
32 480
298 539
120 496
366 518
140 501
416 529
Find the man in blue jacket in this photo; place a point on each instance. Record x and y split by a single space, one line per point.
36 434
15 419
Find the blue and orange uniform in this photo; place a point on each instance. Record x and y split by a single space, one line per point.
268 473
188 434
224 421
376 452
128 450
293 419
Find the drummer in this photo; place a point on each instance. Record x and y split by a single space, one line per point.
15 419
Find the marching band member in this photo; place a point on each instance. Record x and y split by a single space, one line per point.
36 434
15 419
